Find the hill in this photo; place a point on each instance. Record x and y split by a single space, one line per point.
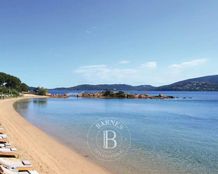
109 87
206 83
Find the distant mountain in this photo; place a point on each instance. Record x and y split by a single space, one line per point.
206 83
109 87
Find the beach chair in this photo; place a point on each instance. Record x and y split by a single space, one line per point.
16 164
3 140
4 170
3 135
2 130
8 152
5 145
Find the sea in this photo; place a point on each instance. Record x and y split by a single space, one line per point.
173 136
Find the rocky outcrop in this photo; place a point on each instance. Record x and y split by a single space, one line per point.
121 94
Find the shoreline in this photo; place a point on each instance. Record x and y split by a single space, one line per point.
47 154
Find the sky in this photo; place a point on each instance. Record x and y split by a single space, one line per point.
69 42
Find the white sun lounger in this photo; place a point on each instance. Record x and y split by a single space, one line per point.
8 152
16 164
6 149
2 130
3 135
3 140
4 170
5 145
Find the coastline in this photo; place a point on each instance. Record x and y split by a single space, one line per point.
47 155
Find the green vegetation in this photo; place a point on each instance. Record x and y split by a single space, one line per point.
121 94
113 94
40 91
11 86
24 87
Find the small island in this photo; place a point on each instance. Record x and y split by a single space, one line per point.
120 94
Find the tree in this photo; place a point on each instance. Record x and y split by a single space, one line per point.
40 91
11 85
12 82
24 87
2 79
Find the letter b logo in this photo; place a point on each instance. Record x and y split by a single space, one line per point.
109 139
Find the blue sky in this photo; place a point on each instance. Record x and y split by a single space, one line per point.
69 42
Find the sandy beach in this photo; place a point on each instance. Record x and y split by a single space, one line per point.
47 155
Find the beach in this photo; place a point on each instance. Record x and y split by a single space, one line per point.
47 155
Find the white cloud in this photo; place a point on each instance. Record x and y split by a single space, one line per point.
149 65
147 73
124 62
189 64
107 74
90 67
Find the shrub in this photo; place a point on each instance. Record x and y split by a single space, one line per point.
40 91
107 93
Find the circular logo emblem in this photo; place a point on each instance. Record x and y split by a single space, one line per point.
108 139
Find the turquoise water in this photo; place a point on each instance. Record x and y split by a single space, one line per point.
167 136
